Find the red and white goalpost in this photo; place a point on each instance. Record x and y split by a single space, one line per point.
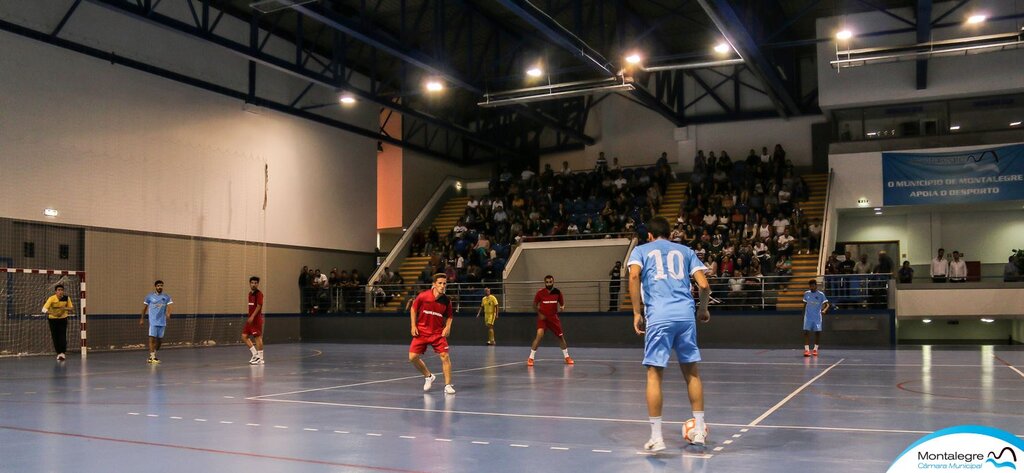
22 295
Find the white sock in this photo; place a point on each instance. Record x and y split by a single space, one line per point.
152 354
259 353
806 348
533 353
655 428
252 350
699 417
565 353
815 347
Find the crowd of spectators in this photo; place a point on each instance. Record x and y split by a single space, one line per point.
339 291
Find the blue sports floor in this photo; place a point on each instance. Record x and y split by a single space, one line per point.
327 407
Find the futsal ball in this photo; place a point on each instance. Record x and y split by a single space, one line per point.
689 428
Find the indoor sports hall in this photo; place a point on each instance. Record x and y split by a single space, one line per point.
511 235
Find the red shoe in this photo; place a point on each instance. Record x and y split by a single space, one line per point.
529 362
815 352
568 361
807 353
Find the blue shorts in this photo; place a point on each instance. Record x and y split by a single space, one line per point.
812 324
156 331
660 340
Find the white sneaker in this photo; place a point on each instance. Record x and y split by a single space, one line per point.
428 382
256 360
449 389
253 359
654 445
698 438
60 357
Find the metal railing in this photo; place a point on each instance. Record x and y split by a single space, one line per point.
853 291
578 236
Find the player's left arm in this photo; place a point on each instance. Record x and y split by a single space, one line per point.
145 307
561 302
170 303
448 323
634 296
258 310
825 307
703 314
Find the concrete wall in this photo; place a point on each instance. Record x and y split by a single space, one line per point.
963 300
740 330
638 136
580 269
964 330
948 77
422 174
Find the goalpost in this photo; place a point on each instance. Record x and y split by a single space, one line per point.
23 326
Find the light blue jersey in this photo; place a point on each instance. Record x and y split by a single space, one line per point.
665 270
157 308
812 313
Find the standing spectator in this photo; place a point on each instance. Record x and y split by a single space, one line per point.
602 163
57 308
566 171
863 266
906 273
957 269
322 277
940 267
614 286
527 174
1010 271
815 235
780 223
885 265
765 157
304 290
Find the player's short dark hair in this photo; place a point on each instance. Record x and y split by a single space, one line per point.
812 281
549 277
158 282
254 278
439 276
658 227
59 286
942 249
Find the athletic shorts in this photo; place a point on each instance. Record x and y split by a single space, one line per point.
551 324
662 339
489 319
254 329
419 344
812 324
156 331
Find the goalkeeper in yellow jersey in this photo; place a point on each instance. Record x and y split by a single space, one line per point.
489 306
57 308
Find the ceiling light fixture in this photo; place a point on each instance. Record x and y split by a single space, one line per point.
954 128
534 71
722 48
988 321
844 35
633 58
347 99
975 19
927 321
1017 123
434 86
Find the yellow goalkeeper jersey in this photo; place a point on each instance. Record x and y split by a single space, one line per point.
57 309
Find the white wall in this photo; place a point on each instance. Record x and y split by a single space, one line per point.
638 136
959 302
422 174
112 147
948 77
984 234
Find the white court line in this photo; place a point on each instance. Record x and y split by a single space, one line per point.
736 436
226 422
517 445
727 442
152 415
792 395
280 426
374 435
263 397
307 429
199 420
443 440
719 449
341 431
253 425
481 443
133 413
598 450
406 437
790 363
176 417
559 448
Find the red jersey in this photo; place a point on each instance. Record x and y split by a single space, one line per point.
256 298
431 313
548 302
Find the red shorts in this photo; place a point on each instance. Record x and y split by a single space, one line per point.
254 329
419 344
550 323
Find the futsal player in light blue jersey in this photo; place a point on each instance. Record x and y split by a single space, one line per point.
157 306
660 272
815 306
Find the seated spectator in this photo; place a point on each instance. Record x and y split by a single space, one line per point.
1011 273
780 223
602 163
527 174
736 289
565 169
784 243
906 273
472 203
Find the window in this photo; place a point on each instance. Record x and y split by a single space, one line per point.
29 249
64 251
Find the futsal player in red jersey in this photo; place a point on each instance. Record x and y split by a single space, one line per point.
254 322
431 317
547 303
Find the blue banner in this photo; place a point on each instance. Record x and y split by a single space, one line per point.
981 175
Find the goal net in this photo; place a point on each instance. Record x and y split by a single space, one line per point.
24 329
